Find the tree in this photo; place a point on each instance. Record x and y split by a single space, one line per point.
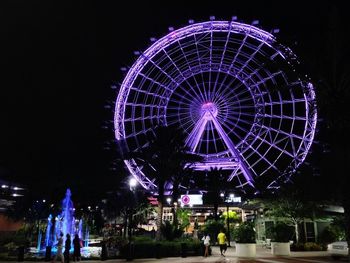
164 157
292 210
141 213
214 183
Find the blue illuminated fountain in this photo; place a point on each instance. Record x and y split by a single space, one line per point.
65 222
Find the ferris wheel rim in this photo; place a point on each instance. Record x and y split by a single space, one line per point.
182 33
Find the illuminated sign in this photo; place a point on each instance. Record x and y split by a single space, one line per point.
233 199
191 200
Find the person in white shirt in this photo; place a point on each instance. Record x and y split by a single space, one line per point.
206 241
59 249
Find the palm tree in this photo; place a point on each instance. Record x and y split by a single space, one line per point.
214 183
164 158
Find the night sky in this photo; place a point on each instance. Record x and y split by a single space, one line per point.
60 59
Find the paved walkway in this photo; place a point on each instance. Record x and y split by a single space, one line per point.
263 256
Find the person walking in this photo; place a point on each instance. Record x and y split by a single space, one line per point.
222 242
67 248
206 242
76 247
59 249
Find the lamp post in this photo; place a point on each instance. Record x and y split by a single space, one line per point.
227 200
132 187
228 224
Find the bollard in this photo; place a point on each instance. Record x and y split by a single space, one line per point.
130 252
158 251
20 253
103 251
48 253
183 250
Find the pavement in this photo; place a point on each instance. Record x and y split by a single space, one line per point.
263 256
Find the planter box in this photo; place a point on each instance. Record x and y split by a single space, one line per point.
246 250
280 248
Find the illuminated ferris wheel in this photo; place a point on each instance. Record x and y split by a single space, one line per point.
232 89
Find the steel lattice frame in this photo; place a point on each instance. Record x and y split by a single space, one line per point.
232 89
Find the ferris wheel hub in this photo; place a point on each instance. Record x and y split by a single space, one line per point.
209 110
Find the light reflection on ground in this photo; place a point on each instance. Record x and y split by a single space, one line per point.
86 252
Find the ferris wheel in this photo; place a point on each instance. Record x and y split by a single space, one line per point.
232 89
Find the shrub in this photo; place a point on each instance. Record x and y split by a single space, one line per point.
328 235
297 247
170 231
311 246
244 233
142 239
281 232
308 246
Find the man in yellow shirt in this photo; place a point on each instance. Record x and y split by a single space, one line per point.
222 242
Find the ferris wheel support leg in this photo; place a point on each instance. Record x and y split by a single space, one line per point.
196 134
247 175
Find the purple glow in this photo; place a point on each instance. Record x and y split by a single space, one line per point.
213 81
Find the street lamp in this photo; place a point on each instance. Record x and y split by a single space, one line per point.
132 184
132 187
227 200
228 223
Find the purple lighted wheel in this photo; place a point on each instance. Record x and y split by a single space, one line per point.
232 89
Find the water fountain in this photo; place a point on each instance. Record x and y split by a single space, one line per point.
48 235
64 223
39 241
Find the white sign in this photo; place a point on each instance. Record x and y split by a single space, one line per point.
233 199
191 200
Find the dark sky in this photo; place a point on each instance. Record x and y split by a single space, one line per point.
60 58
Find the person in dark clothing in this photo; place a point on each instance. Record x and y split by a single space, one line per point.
67 248
76 246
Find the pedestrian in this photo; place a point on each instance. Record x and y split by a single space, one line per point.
222 242
67 248
206 242
76 247
59 248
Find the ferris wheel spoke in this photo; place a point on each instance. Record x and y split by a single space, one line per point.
183 99
233 131
233 61
230 118
250 58
148 93
180 72
189 67
221 60
274 145
167 75
200 64
262 157
155 82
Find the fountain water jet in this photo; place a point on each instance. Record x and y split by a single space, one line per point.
65 222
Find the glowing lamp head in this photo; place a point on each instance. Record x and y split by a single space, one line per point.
132 182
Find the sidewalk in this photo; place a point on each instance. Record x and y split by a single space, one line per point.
262 255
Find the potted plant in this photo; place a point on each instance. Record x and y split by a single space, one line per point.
244 236
281 235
